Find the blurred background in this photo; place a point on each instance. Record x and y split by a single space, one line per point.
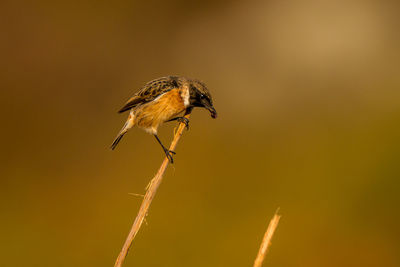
309 111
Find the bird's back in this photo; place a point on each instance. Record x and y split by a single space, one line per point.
151 91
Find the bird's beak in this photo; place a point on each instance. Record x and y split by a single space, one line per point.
210 108
213 112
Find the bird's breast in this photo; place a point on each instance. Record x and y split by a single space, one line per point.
163 108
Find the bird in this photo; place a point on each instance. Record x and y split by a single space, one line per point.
162 100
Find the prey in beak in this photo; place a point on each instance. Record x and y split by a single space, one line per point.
206 103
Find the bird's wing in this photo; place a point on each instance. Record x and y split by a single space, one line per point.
151 91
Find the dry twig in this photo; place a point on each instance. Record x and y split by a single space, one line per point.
273 224
150 193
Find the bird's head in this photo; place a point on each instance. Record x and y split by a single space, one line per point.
201 97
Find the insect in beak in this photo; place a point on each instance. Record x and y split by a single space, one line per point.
210 108
213 112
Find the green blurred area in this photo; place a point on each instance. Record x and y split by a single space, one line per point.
309 111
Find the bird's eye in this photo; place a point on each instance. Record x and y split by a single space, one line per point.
202 96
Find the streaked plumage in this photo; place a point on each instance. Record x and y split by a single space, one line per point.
161 100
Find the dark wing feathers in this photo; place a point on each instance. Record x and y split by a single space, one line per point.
151 91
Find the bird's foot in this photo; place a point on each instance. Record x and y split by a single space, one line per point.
185 121
169 154
182 120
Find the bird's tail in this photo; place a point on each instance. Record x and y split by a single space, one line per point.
129 124
117 139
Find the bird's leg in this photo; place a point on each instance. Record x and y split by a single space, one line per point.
168 153
181 120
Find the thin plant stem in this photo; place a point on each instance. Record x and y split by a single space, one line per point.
273 224
150 193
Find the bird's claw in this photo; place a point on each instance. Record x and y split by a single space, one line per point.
169 154
181 120
185 121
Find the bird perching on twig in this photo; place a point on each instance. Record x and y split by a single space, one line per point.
162 100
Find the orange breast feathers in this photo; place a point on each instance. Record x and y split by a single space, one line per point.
150 115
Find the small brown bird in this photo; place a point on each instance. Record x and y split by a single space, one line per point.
162 100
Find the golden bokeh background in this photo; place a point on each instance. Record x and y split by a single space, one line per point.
308 96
